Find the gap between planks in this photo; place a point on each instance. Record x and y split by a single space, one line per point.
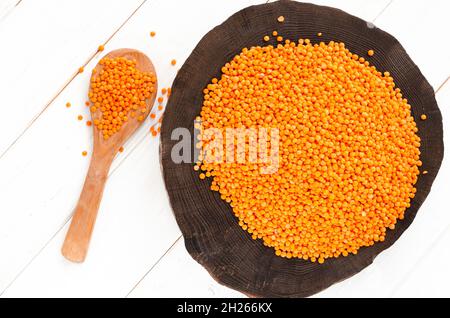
382 11
154 264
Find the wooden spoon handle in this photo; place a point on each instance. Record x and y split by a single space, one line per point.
77 240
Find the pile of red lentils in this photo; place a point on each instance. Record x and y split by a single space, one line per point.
119 91
348 150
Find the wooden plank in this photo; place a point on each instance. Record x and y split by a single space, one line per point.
52 177
187 278
420 28
45 42
430 277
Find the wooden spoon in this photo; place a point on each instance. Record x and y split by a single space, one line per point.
77 239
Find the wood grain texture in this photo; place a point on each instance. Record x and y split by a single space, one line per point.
212 235
80 231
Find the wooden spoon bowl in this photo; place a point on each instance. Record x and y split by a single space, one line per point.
77 240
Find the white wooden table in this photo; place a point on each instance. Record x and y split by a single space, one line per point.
137 249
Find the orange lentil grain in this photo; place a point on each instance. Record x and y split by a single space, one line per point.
153 116
370 52
280 19
279 38
101 48
163 91
154 133
81 69
68 104
84 153
319 34
80 117
121 149
274 33
173 62
266 38
425 172
423 117
87 103
152 34
89 123
160 107
160 99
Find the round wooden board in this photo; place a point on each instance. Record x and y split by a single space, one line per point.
211 232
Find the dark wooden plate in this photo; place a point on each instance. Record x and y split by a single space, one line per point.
211 232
